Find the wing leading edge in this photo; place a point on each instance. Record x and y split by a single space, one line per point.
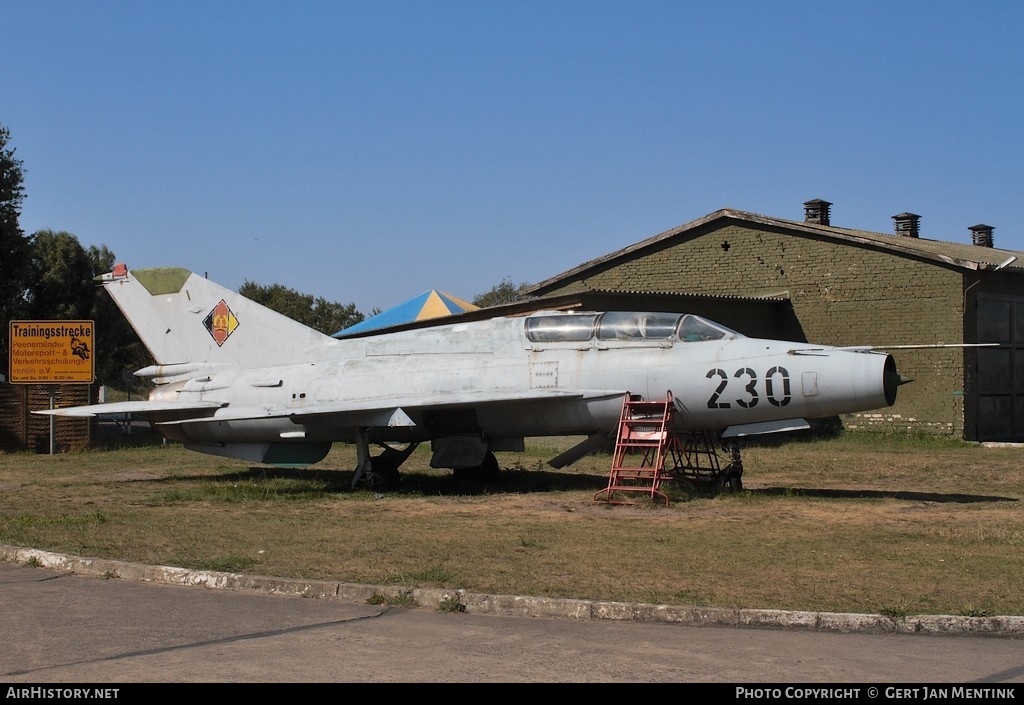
368 413
141 407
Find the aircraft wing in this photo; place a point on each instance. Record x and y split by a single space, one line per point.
366 412
390 411
140 406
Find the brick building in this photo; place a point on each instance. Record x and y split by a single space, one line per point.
811 281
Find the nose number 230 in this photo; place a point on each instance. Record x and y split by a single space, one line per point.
776 387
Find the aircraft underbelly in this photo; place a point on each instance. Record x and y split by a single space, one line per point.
551 418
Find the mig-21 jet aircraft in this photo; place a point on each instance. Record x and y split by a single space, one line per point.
233 378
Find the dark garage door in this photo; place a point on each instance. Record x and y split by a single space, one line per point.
1001 369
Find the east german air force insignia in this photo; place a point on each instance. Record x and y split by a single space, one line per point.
221 322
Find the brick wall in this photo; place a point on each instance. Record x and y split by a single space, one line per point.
842 294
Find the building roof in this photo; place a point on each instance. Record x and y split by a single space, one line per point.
962 255
780 295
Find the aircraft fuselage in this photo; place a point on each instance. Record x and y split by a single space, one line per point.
489 378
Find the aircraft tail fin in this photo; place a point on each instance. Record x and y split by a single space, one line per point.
188 322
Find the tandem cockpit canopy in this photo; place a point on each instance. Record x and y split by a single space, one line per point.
624 325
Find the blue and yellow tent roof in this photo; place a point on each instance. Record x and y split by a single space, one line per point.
429 304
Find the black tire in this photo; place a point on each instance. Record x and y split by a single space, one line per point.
487 471
731 482
382 474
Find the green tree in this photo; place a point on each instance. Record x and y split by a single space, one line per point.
62 278
64 288
504 293
15 248
316 312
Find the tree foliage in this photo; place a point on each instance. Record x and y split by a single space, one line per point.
318 313
62 278
63 274
504 293
15 248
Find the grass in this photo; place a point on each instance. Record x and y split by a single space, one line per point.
879 524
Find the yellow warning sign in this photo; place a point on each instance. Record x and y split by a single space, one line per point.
52 352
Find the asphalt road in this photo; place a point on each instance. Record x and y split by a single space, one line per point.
60 627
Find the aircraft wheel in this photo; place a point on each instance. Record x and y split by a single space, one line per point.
487 471
382 474
731 482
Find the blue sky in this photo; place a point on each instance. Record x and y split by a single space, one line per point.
368 151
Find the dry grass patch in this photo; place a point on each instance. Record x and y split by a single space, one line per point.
865 525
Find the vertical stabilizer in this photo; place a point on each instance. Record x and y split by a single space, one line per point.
184 318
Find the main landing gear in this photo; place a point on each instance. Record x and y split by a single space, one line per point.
379 471
731 476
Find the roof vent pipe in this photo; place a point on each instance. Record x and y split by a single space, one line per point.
907 224
817 211
981 235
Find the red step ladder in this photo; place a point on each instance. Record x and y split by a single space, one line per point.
643 443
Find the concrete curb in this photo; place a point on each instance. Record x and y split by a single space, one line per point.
523 606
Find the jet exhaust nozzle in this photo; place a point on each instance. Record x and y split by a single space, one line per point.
891 379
